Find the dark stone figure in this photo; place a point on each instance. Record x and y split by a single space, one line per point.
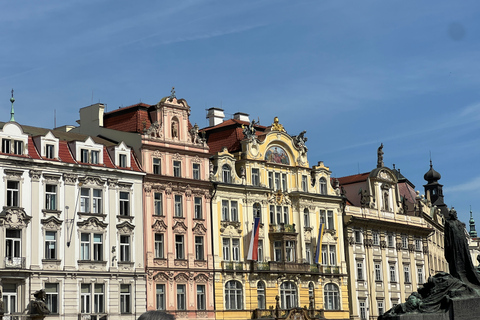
380 156
38 307
156 315
443 290
456 251
2 305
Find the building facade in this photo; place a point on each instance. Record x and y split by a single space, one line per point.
391 235
263 172
177 233
71 224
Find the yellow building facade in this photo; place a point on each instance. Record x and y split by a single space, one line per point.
263 172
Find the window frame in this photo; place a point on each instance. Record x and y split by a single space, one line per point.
181 296
178 206
331 297
180 247
288 295
198 214
156 166
51 251
226 174
233 295
124 203
52 297
255 177
125 299
159 246
158 204
177 168
196 171
201 297
125 248
199 248
160 296
13 193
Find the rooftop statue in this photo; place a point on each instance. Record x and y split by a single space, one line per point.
249 130
276 126
463 282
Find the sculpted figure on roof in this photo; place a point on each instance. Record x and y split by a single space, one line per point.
249 130
300 140
276 126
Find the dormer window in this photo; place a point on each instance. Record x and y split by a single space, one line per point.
7 146
122 160
89 156
95 156
50 151
18 147
84 156
120 154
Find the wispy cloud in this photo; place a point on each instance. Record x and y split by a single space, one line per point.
470 186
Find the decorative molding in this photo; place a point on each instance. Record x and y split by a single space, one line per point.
199 229
92 223
112 183
180 227
13 174
70 178
35 175
157 154
181 277
196 159
92 180
201 278
177 156
159 226
14 218
125 227
52 223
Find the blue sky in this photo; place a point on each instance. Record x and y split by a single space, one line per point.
352 73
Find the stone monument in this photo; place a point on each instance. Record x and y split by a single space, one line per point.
38 307
446 296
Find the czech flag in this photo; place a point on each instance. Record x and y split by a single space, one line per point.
318 253
253 249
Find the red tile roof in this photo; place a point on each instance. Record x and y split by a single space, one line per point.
129 119
32 151
134 164
107 161
64 153
354 178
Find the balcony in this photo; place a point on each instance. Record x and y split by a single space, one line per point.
15 262
295 313
232 265
282 228
288 266
92 316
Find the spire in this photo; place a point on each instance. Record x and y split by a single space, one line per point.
12 112
473 232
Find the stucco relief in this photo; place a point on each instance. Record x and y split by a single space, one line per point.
188 192
49 178
159 226
231 230
92 224
70 178
181 277
15 218
155 130
112 183
161 277
35 174
179 227
148 189
200 264
125 228
160 262
92 180
308 236
196 159
199 229
52 223
13 174
177 156
157 154
201 278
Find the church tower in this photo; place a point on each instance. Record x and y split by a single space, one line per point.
434 190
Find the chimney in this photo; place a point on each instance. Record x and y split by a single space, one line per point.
92 115
215 116
241 116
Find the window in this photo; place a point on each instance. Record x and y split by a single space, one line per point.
160 296
125 298
308 253
226 174
157 166
393 277
421 280
270 180
159 253
124 248
178 206
359 270
323 186
236 249
124 203
363 311
181 297
177 169
331 297
391 240
231 249
50 151
380 307
10 298
93 204
330 224
86 247
257 210
404 241
234 210
261 295
260 250
306 218
201 301
277 181
233 295
50 245
284 182
6 145
375 238
304 183
378 271
226 249
51 298
198 208
288 295
323 217
17 147
122 160
406 273
324 254
51 197
358 236
255 177
179 247
418 244
311 290
225 210
290 251
285 215
196 171
97 295
84 156
13 241
277 251
333 255
157 204
13 193
199 248
95 156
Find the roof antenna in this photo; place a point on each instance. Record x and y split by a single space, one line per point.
12 112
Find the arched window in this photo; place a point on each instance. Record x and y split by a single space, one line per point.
306 218
226 173
288 295
323 186
332 297
257 211
233 295
261 295
311 290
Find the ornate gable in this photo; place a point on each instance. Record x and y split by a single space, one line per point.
14 218
179 227
52 223
92 224
199 229
125 227
159 226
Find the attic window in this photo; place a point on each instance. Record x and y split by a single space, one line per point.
7 146
122 160
50 151
89 156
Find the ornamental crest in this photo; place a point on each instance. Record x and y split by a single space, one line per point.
125 227
52 223
15 218
181 277
159 226
199 229
180 227
92 223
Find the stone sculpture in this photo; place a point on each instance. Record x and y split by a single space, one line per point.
249 130
156 315
38 307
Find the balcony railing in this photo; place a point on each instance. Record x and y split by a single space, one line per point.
289 266
277 313
232 265
92 316
282 228
292 266
15 262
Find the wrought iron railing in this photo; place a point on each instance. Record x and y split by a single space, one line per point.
15 262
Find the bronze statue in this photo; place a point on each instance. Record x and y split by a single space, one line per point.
380 156
38 307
